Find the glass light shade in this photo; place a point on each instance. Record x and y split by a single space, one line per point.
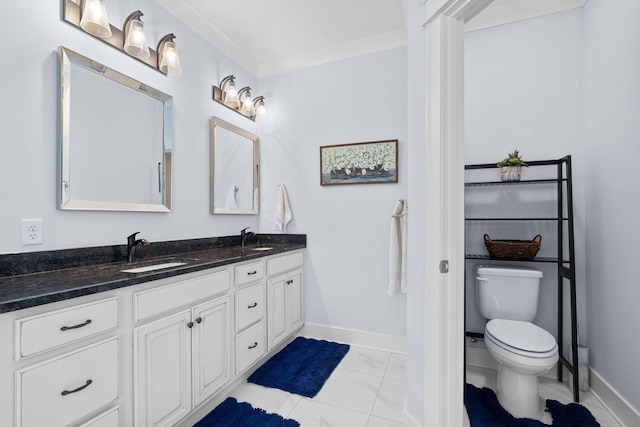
94 19
247 105
231 95
135 43
261 109
169 59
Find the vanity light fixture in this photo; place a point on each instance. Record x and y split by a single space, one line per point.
95 19
239 101
135 40
91 17
168 57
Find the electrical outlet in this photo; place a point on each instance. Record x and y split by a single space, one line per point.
32 232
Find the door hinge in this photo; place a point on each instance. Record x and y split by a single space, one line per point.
444 266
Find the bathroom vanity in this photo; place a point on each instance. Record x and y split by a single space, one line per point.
160 347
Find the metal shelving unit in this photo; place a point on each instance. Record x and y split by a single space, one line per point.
565 251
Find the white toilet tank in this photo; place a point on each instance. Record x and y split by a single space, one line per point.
507 292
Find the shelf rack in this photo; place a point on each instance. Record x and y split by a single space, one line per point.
565 254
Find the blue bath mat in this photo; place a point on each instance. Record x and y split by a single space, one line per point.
230 413
302 367
484 410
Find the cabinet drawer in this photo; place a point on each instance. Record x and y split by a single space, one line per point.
284 263
49 330
60 391
248 273
170 297
250 346
110 418
250 305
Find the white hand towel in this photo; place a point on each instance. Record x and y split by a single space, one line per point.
398 249
283 211
231 202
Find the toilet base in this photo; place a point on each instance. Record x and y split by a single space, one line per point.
518 393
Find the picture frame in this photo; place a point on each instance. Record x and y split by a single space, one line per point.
374 162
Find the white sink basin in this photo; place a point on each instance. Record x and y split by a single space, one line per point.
261 249
153 267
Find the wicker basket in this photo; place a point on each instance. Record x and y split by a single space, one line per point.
517 249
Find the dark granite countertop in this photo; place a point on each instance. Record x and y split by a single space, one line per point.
37 278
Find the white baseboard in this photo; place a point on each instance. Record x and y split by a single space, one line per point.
626 414
393 343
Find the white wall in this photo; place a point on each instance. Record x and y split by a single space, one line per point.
355 100
612 133
524 91
416 99
29 130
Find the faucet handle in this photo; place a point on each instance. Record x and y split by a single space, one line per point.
132 237
244 229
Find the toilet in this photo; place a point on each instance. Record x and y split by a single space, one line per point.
508 299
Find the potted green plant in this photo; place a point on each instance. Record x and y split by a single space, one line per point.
511 166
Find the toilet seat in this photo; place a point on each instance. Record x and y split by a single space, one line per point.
523 338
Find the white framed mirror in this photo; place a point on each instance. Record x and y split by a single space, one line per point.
115 140
235 169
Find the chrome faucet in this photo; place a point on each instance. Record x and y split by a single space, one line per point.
244 234
131 246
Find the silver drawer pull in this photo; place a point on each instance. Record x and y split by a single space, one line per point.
254 305
87 384
255 344
66 328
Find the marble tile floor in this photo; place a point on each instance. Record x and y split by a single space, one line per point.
549 389
367 389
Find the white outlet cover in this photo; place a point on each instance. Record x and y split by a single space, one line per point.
32 232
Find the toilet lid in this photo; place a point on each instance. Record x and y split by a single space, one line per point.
523 336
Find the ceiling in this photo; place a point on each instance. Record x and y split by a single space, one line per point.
274 36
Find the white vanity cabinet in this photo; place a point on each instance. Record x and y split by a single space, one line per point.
285 296
158 353
64 364
182 357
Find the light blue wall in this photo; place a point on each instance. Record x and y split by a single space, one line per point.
612 136
29 110
524 90
355 100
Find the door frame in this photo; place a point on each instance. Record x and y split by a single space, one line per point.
444 216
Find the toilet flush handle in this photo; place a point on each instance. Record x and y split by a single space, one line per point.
482 279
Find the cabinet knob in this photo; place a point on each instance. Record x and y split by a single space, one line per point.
254 305
199 320
190 325
80 325
87 384
288 282
255 344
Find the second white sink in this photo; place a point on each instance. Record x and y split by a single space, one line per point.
153 267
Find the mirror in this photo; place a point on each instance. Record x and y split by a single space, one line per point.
235 166
116 140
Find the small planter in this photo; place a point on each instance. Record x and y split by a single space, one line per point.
510 173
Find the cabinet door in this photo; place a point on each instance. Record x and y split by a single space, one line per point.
277 310
294 308
211 347
162 374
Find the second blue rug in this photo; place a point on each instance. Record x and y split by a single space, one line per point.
484 410
302 367
232 413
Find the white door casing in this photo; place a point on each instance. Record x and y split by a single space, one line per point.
444 215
